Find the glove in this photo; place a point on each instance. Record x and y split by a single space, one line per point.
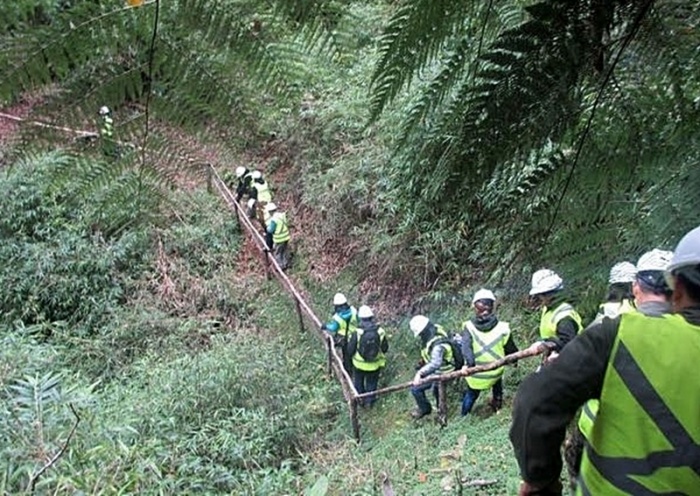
552 489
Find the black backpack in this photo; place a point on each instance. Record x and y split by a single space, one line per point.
457 357
370 344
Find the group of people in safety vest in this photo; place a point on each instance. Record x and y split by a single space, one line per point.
363 345
629 375
253 186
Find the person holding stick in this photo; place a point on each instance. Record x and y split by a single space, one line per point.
646 435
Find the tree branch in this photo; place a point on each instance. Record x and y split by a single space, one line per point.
544 347
35 477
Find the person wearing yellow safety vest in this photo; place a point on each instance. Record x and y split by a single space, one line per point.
646 436
367 346
277 235
109 146
260 190
651 297
559 321
437 357
620 296
485 339
260 195
244 178
342 326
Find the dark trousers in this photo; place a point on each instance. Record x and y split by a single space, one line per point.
365 382
471 395
418 393
281 252
347 360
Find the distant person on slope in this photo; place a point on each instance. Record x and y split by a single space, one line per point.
485 339
651 297
368 347
342 326
109 146
620 297
261 193
437 357
559 321
643 369
277 236
244 177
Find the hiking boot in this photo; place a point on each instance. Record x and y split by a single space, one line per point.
496 405
419 414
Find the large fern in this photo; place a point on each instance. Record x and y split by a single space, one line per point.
534 149
187 65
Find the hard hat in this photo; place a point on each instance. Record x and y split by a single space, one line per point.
256 175
622 272
651 268
544 281
270 207
104 110
654 260
251 203
365 312
483 294
686 259
240 170
687 253
339 299
418 324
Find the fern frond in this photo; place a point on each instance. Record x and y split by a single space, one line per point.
412 40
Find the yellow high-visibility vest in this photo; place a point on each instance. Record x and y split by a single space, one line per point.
646 437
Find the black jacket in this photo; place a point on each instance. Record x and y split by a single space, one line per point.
548 400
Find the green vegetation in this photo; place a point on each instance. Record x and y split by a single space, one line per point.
421 149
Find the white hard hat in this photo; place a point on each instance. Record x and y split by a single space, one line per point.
418 324
251 203
687 253
544 281
104 109
656 260
622 272
240 170
256 175
270 207
365 312
483 294
339 299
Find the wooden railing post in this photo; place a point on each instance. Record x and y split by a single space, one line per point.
300 315
442 403
329 341
354 420
267 264
210 177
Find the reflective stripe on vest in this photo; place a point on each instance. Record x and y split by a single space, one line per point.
281 233
488 347
264 194
646 437
360 363
551 317
447 358
346 325
587 418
